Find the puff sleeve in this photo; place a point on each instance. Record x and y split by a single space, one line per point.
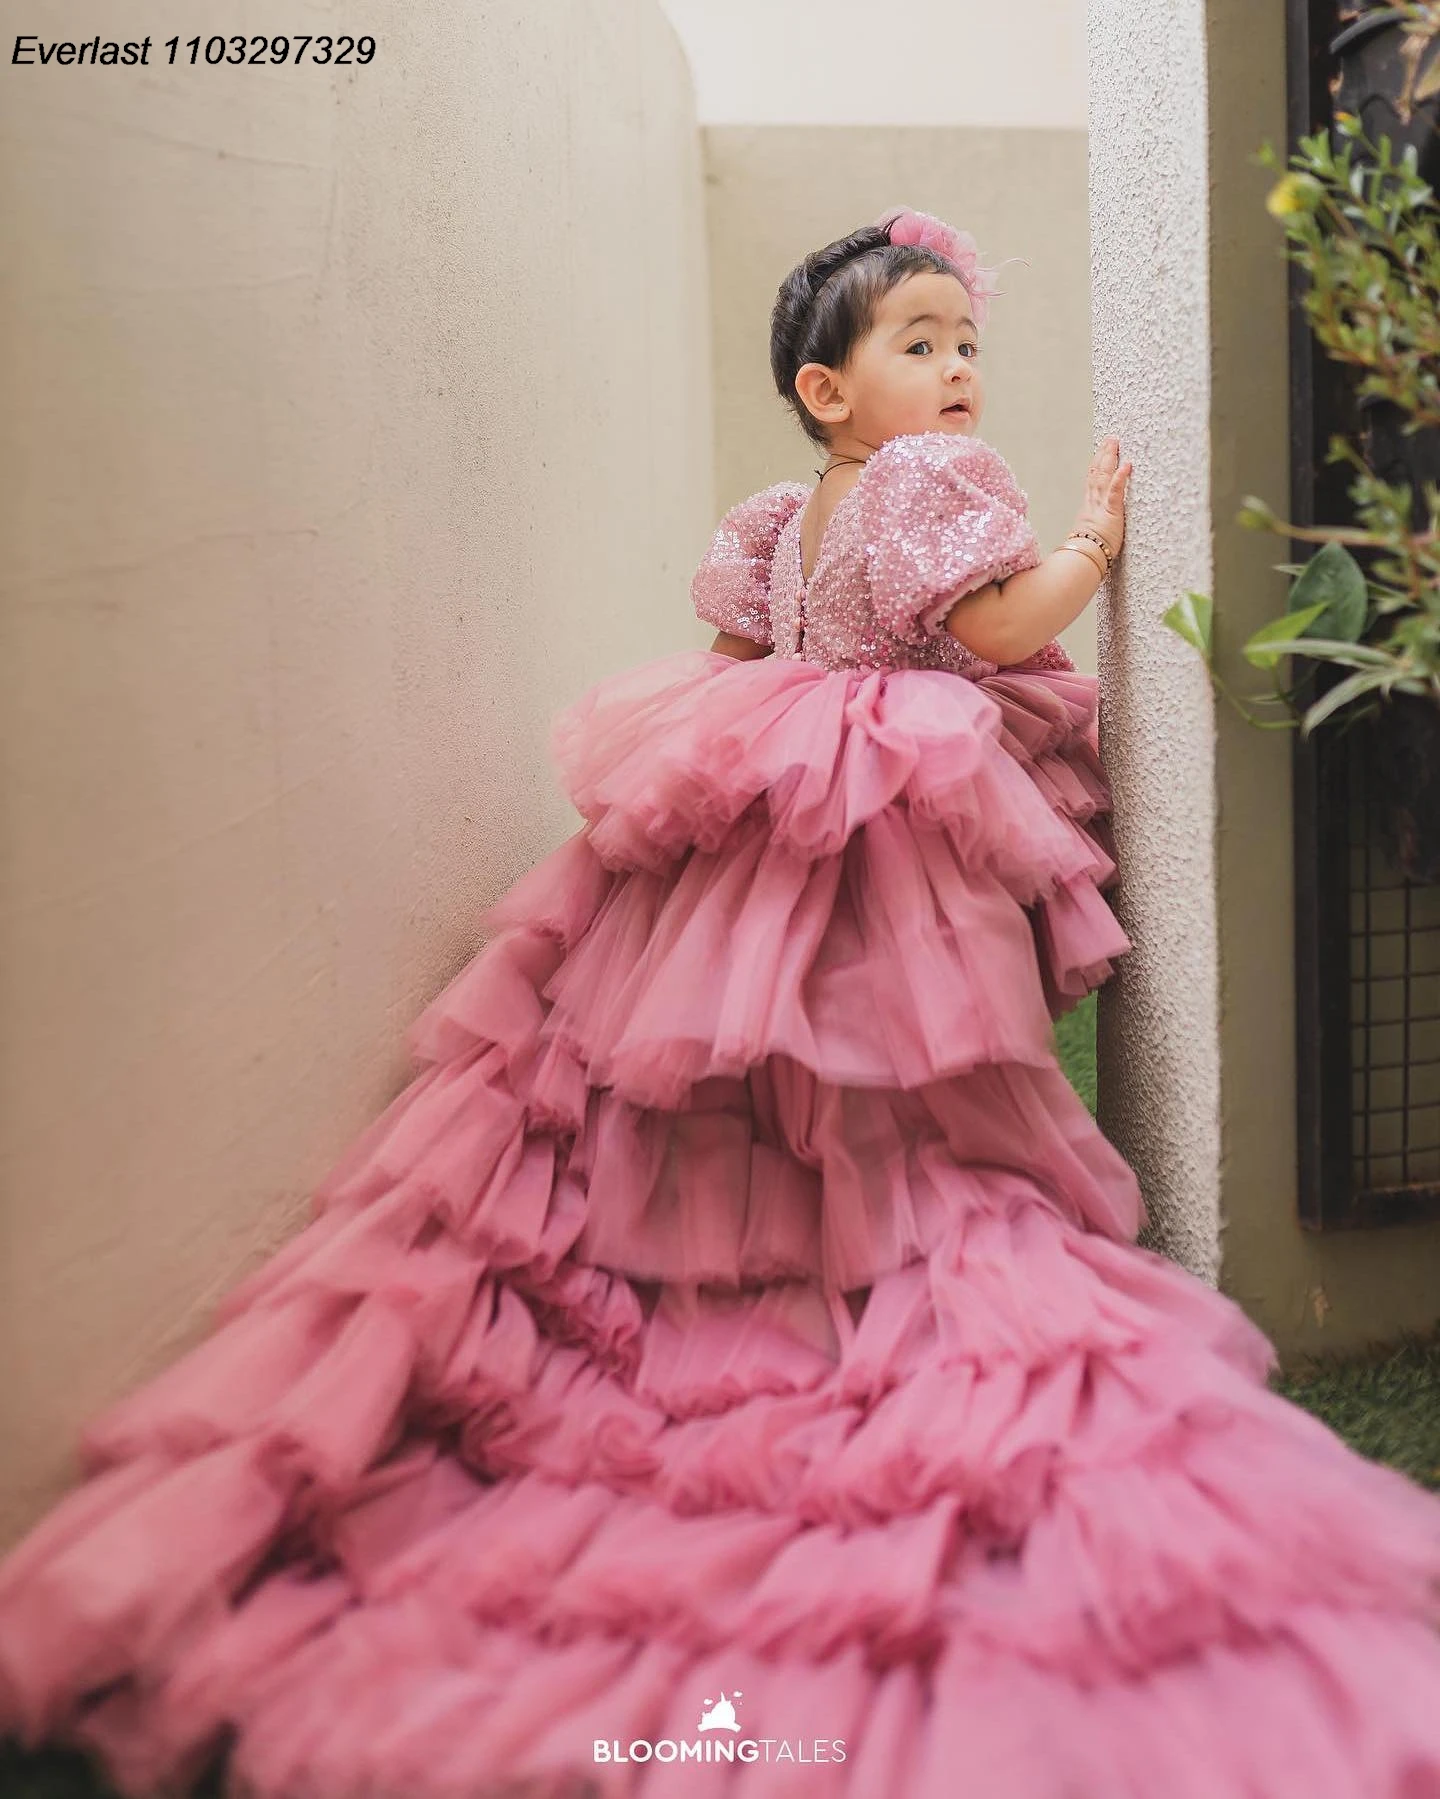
941 517
731 587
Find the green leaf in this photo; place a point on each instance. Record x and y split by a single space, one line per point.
1280 633
1192 618
1335 582
1341 694
1254 514
1325 649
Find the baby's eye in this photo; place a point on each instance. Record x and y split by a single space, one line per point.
924 343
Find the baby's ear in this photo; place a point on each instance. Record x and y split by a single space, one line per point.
816 387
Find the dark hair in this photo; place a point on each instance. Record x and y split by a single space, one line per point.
827 303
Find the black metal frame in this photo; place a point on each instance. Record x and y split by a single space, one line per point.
1327 770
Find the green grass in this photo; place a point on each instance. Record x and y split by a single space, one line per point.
1385 1404
1075 1045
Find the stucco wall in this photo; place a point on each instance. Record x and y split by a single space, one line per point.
1197 1070
1149 220
342 443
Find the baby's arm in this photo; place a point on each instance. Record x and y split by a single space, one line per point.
949 546
743 649
731 588
1009 620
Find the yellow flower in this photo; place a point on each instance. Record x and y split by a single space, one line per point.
1291 194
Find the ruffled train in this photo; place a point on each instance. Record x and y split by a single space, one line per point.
739 1300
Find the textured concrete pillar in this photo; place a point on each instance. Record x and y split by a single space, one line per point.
1189 321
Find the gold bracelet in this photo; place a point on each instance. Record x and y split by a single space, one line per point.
1095 537
1090 556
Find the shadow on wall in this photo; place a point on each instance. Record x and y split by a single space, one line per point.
312 540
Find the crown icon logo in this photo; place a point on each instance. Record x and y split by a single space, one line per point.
721 1715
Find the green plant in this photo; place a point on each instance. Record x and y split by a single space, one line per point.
1364 229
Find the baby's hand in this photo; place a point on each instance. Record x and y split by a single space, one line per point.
1104 506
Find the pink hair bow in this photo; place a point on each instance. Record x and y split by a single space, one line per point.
906 226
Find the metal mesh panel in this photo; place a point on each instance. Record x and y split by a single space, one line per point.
1367 942
1394 1007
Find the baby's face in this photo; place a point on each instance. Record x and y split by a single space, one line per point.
909 371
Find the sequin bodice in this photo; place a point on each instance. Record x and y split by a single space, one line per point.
929 519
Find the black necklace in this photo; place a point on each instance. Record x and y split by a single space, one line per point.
823 472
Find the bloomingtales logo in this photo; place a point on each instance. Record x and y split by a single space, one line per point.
718 1739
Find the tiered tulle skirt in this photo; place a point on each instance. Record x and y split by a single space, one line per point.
738 1301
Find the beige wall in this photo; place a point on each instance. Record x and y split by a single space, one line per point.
1313 1291
921 62
342 443
1197 1075
778 191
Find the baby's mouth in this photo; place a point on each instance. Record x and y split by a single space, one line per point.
960 406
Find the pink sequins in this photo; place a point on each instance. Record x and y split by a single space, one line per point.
929 519
731 587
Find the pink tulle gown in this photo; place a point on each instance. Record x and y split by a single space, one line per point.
735 1334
